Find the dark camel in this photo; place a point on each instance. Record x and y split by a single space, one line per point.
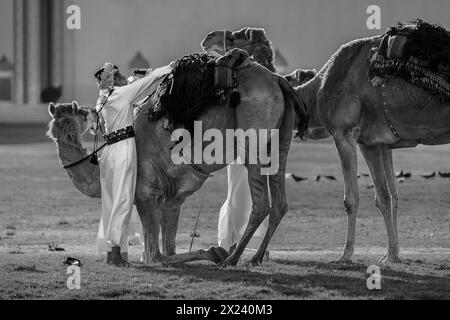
267 101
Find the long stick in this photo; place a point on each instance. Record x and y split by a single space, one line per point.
198 216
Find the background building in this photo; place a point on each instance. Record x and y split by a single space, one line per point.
45 54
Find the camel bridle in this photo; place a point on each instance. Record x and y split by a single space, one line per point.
225 47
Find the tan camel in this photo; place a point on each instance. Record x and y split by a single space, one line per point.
267 101
341 99
69 122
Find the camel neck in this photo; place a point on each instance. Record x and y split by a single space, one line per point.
308 93
84 176
68 153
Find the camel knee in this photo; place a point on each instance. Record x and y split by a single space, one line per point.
258 215
351 205
383 203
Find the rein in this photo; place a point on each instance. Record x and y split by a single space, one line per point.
85 158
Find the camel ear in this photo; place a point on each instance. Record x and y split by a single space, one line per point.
74 107
258 34
51 109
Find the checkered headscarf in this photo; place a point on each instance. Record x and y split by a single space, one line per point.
105 76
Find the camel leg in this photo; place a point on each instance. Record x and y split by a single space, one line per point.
277 212
345 142
277 185
214 254
390 176
260 210
169 227
374 159
150 219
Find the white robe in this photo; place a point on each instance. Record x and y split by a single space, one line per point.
235 212
118 165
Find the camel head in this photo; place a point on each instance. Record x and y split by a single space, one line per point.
69 121
300 76
252 40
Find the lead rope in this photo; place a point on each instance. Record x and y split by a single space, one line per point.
194 234
94 157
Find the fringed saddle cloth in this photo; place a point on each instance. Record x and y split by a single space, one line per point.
196 82
419 53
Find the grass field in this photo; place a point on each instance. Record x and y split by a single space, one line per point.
38 206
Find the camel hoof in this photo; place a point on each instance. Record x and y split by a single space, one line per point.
254 262
391 259
230 261
218 254
148 260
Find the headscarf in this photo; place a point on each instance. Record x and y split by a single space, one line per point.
105 76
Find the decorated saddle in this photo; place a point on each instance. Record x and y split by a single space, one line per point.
419 53
197 81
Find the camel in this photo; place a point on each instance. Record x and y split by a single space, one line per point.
267 101
341 99
254 41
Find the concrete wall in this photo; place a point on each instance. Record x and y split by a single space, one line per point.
6 28
306 31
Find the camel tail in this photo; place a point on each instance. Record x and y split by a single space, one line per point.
299 106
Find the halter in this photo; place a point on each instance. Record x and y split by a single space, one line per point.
93 156
224 42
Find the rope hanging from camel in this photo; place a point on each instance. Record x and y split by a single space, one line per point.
194 233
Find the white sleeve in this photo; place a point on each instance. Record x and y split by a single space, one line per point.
138 90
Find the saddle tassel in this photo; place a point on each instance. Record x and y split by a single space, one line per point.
94 159
235 98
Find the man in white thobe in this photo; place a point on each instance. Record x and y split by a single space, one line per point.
118 163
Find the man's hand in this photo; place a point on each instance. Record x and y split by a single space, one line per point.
92 121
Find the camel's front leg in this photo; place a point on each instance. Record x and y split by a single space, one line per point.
390 177
150 218
169 227
260 210
345 142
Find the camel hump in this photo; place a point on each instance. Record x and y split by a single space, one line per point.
224 76
233 58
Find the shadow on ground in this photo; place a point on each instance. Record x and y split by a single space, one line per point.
312 278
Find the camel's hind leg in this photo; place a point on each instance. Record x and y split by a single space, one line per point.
277 184
277 212
376 164
260 210
345 142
